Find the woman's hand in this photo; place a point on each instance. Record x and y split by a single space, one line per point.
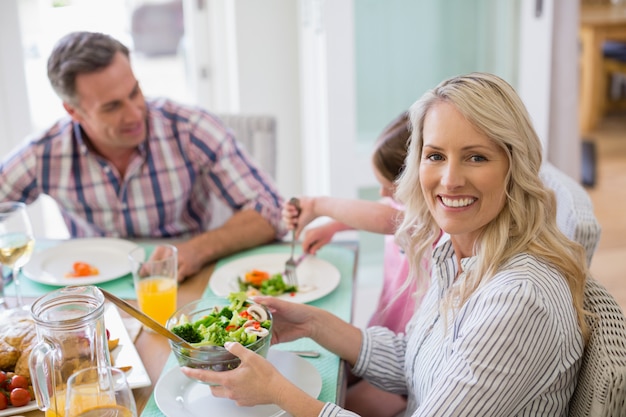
290 321
255 381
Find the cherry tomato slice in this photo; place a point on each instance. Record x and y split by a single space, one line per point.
82 269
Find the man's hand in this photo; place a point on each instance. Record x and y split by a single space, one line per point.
244 230
190 259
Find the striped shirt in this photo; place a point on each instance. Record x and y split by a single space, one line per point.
188 159
513 349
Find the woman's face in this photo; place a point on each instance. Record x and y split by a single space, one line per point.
462 175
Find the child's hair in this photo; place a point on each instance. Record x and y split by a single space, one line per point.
391 147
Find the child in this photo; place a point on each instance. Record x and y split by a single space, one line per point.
398 300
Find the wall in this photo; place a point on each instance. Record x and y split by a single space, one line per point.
564 148
252 61
15 121
405 48
268 48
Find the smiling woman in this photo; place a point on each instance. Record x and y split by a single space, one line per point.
504 272
462 173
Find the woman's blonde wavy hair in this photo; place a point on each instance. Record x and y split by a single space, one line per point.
527 222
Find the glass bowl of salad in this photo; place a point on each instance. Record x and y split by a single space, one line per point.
208 323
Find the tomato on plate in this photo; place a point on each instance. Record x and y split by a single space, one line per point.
82 269
256 277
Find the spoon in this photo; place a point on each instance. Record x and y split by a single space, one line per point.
146 320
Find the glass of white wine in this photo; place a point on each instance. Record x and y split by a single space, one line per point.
16 245
99 392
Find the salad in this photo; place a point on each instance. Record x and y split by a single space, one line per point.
241 321
257 281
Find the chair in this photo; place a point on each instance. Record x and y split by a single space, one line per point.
574 212
601 387
257 134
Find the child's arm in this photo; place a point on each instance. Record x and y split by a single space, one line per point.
316 237
370 216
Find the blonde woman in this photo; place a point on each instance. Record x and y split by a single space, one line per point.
501 330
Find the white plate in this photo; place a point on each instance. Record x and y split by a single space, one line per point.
320 276
11 411
109 255
125 353
178 396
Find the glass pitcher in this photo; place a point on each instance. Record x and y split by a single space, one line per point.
71 336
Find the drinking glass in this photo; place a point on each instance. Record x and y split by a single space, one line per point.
16 244
155 279
99 392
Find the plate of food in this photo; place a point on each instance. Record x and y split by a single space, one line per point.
177 395
263 274
19 332
17 335
85 261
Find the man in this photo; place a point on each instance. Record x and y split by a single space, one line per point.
124 166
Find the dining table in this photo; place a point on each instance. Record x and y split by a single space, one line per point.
154 349
598 23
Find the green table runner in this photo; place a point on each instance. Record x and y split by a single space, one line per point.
338 302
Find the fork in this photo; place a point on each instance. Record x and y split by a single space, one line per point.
290 265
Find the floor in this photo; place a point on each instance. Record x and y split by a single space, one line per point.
609 198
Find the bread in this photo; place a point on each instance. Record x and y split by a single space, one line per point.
17 336
21 367
8 356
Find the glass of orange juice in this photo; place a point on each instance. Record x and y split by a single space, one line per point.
97 392
155 278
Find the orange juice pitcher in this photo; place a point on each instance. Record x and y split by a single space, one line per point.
71 336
